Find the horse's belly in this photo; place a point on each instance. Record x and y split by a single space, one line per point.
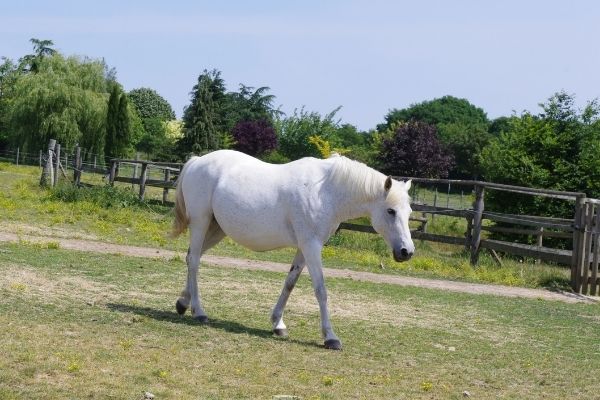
257 232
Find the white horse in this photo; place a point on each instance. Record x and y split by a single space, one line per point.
300 204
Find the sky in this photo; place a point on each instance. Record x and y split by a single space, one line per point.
368 56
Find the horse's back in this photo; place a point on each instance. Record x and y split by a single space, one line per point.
254 202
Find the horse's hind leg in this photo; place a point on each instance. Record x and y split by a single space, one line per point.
203 235
298 264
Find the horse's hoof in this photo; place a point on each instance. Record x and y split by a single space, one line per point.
203 319
181 309
333 344
280 332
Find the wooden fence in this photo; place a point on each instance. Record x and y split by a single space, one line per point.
583 229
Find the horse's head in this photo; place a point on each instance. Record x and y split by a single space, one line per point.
389 216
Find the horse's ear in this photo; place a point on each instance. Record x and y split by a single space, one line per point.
407 184
388 184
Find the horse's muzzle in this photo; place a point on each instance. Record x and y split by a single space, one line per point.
402 255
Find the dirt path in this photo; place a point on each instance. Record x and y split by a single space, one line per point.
473 288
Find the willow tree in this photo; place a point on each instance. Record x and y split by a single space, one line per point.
65 99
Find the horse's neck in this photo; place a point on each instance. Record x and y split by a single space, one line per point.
349 206
349 203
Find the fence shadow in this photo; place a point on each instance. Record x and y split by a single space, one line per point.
214 323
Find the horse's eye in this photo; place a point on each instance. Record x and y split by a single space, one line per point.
391 211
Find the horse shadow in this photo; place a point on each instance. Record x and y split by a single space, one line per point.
214 323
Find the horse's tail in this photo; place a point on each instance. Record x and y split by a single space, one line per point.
181 221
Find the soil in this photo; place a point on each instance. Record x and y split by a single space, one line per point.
229 262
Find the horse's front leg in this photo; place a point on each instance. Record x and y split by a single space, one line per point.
312 254
279 327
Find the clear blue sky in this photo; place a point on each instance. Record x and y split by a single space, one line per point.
368 56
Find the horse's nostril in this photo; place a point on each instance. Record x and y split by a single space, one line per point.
404 253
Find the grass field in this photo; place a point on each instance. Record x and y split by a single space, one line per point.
114 215
79 325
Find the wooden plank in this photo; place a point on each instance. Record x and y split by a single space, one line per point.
143 177
525 250
174 166
594 289
112 175
477 220
556 194
441 211
531 232
356 227
126 180
576 238
416 234
527 222
166 189
589 215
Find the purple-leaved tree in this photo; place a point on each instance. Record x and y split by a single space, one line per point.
414 150
254 137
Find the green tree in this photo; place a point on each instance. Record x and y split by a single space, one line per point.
41 49
461 126
65 100
205 118
150 104
556 149
294 132
118 124
248 104
9 74
154 112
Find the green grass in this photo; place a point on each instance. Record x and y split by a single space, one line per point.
115 215
78 325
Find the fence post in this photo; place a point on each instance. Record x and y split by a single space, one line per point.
578 244
48 171
435 194
167 181
135 169
41 158
477 219
540 241
18 156
143 176
113 172
77 166
56 164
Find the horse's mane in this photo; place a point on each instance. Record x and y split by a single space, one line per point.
361 181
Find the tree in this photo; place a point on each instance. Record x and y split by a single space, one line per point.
111 147
9 74
461 126
149 104
205 118
413 149
250 105
444 110
254 137
153 111
65 100
294 132
41 49
557 149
